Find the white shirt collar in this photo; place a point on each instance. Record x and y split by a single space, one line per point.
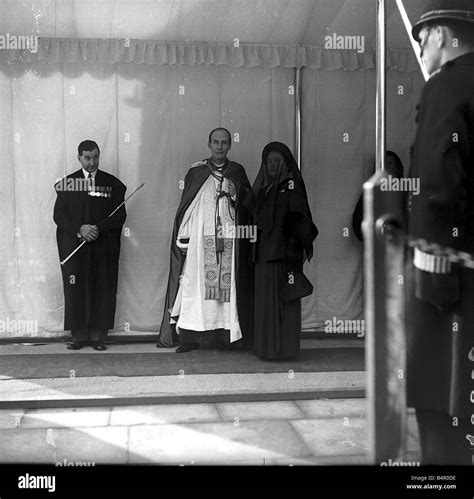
86 173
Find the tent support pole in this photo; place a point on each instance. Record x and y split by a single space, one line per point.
384 303
380 119
298 117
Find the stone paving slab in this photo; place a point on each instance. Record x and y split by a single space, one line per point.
215 443
99 445
11 418
60 418
25 446
163 414
344 460
333 437
244 433
247 411
337 408
49 446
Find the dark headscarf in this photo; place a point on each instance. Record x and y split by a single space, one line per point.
265 189
398 163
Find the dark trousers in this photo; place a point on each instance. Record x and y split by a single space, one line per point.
441 442
89 334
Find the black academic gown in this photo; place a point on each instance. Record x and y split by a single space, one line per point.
90 275
193 182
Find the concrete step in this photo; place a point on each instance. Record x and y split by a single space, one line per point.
202 388
34 346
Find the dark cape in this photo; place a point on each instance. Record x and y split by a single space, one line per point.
439 307
193 182
90 275
285 240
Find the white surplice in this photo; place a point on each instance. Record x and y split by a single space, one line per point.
194 312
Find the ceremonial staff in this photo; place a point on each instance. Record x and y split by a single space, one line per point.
118 207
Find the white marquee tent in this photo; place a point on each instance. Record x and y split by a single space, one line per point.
147 79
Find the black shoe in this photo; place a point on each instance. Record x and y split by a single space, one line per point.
99 346
162 345
75 345
186 348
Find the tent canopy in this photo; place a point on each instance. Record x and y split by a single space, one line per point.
274 22
237 33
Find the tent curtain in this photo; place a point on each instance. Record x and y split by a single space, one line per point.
338 151
151 122
150 52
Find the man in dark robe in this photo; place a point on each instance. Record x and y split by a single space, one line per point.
440 297
85 199
209 292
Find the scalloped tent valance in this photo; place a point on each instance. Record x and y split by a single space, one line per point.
152 52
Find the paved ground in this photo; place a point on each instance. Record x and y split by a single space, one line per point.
236 419
71 391
301 432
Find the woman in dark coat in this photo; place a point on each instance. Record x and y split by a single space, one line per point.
284 241
393 167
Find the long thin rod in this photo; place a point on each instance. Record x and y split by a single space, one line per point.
123 202
380 119
414 45
118 207
298 117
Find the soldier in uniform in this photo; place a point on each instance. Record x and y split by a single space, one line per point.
440 297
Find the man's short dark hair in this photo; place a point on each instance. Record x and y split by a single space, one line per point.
87 145
463 31
224 130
